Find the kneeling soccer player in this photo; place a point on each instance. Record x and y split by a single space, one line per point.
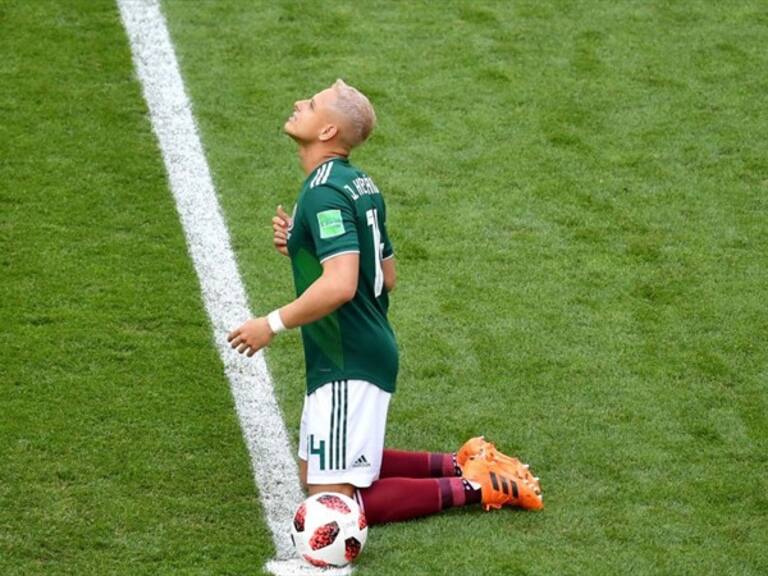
344 268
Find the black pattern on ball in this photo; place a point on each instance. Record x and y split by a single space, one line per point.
334 503
324 536
352 548
298 518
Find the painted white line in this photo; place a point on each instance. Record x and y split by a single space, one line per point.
296 567
274 467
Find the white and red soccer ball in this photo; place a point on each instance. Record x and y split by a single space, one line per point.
329 529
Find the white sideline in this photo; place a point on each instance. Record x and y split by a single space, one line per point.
274 468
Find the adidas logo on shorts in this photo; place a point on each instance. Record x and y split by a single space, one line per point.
361 462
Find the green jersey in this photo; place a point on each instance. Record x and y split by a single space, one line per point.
341 211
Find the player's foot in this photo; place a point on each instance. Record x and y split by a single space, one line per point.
479 448
470 449
500 487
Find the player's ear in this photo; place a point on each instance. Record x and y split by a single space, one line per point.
328 132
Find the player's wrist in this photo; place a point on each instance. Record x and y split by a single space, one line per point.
275 322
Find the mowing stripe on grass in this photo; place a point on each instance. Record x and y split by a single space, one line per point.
206 233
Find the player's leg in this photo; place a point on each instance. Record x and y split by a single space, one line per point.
398 499
394 498
341 448
435 481
408 464
346 489
492 483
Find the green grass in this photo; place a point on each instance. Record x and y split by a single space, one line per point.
577 198
120 452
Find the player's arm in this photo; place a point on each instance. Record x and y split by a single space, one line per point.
390 275
331 221
388 253
336 286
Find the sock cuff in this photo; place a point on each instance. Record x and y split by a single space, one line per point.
436 465
456 492
446 493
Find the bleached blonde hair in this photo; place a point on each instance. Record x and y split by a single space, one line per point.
357 110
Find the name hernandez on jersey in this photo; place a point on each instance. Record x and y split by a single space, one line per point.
363 185
340 210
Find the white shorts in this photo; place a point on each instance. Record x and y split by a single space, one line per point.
342 433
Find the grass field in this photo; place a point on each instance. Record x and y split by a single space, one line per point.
577 195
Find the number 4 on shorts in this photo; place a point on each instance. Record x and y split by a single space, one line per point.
317 451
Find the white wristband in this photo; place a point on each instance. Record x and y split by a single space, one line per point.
275 322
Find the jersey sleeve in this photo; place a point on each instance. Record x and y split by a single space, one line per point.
388 251
331 220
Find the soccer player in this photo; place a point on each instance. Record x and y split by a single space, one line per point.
344 270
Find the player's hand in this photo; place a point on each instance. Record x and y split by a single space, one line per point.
251 336
281 223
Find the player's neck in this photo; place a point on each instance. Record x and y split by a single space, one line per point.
312 155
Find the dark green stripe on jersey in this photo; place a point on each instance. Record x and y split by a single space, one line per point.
337 434
337 444
333 424
344 429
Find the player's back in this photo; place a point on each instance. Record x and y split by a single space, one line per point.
340 210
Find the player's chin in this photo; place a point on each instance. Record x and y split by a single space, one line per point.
292 130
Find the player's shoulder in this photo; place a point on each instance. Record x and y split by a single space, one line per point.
325 187
333 177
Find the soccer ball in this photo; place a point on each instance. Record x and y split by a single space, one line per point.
329 529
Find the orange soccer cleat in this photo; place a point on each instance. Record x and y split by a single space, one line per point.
471 448
478 448
500 487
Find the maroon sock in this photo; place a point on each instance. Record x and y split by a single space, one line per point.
397 499
403 464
